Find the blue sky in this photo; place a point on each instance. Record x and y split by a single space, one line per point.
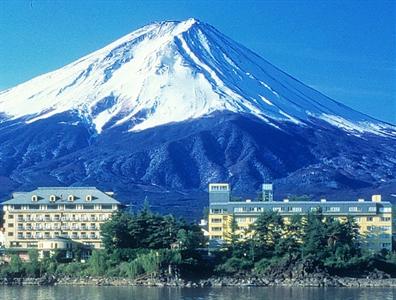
345 49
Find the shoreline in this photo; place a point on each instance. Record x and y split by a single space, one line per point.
314 281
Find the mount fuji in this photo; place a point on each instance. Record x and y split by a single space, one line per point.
172 106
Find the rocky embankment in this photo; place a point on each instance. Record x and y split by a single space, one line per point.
315 280
290 274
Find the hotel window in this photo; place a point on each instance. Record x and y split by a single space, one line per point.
88 198
216 220
109 206
385 209
10 225
34 206
369 219
385 228
353 209
70 198
34 198
70 206
334 209
88 206
296 209
10 234
372 209
385 236
385 219
17 206
10 216
217 228
52 198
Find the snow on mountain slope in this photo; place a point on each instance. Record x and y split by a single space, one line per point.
174 71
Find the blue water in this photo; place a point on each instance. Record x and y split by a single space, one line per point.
152 293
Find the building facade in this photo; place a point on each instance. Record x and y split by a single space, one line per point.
373 217
74 213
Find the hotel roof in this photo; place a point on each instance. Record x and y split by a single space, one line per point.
43 195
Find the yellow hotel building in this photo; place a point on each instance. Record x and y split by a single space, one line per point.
373 217
54 213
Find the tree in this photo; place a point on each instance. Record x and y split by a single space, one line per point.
314 236
97 263
290 242
267 230
115 232
342 242
33 266
16 265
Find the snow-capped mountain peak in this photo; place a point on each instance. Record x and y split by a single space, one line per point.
171 72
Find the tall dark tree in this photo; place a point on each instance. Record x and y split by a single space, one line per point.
267 231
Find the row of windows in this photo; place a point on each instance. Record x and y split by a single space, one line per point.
46 226
216 220
218 210
47 235
379 228
216 228
244 220
53 198
371 219
62 206
58 218
219 188
300 209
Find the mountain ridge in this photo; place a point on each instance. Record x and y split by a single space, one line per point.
173 71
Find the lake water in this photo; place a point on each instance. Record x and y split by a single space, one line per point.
151 293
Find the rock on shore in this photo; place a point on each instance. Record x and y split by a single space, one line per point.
309 281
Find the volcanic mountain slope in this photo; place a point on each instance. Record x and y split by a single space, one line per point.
176 105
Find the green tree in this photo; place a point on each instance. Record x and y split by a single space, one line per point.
97 263
116 232
290 242
16 265
33 266
267 231
314 236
